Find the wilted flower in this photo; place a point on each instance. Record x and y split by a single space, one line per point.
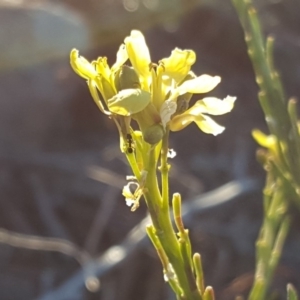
171 153
154 95
132 199
169 273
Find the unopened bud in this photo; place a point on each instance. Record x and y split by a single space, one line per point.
153 134
126 78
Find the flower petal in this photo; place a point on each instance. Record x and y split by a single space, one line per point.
82 66
267 141
167 109
129 101
213 106
171 153
95 95
202 84
129 196
179 122
205 123
179 63
139 54
208 125
122 57
102 67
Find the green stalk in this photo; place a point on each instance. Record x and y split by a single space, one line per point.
291 292
278 246
272 98
164 229
132 162
164 169
271 240
209 294
163 258
199 272
184 240
292 110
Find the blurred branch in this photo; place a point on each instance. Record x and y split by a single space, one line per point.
281 160
102 216
46 209
45 244
271 238
280 116
84 167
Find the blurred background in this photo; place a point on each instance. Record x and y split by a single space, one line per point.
65 231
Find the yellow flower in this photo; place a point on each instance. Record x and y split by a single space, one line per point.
197 113
178 65
174 109
268 141
154 95
139 56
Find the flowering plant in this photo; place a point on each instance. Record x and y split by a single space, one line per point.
157 97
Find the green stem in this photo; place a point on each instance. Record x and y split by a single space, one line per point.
164 169
164 229
133 164
164 259
271 94
199 272
291 292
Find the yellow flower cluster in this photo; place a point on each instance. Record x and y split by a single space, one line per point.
154 95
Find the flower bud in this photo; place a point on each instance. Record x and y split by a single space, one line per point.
153 134
126 78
